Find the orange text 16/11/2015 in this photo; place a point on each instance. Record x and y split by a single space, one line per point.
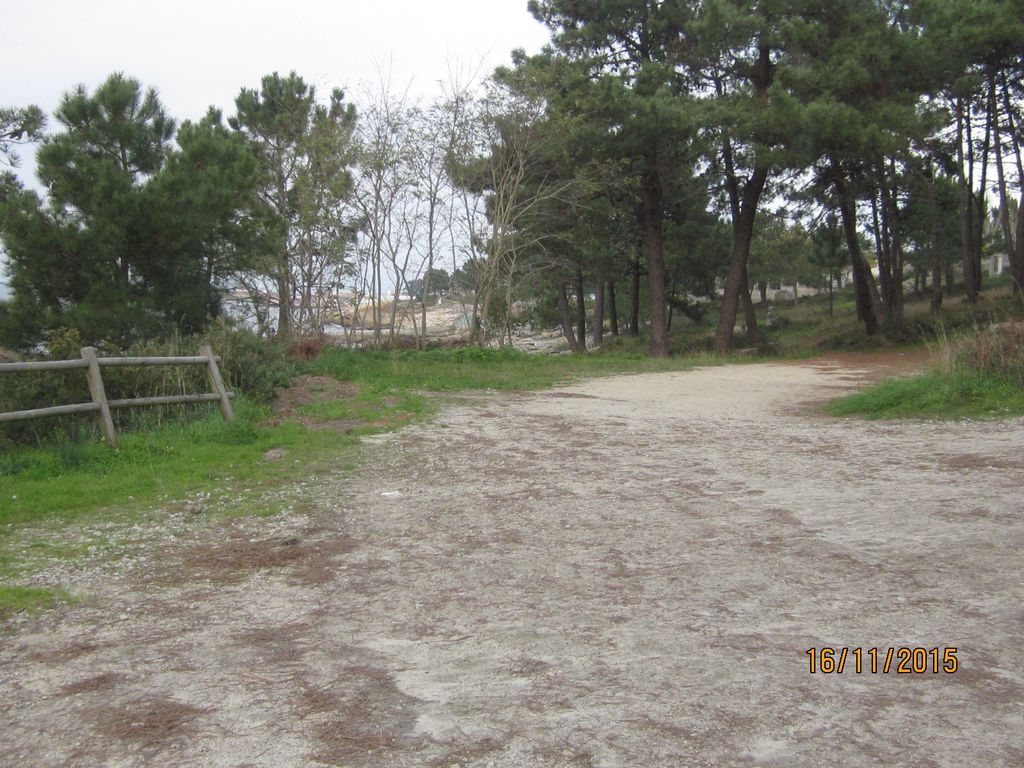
904 660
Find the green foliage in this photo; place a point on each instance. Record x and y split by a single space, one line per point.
477 368
983 377
136 237
16 599
251 367
19 126
303 149
781 253
66 480
956 394
440 283
932 214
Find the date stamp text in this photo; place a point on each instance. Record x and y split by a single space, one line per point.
903 660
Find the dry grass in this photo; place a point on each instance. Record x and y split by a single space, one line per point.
998 351
101 682
229 561
152 722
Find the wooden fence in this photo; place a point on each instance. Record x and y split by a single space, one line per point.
93 366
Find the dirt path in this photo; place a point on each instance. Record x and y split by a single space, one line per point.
624 572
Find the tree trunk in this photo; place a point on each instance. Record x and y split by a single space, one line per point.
762 287
598 329
1017 262
978 199
655 256
883 243
743 207
613 310
895 266
563 303
1004 208
966 208
861 272
581 311
933 241
831 292
742 233
475 327
1018 270
429 268
634 299
749 315
284 306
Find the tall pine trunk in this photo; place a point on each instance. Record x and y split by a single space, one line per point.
862 279
966 209
613 310
933 240
894 299
831 292
655 255
749 314
1017 260
883 244
742 234
634 298
743 206
598 329
1004 208
563 303
581 311
284 304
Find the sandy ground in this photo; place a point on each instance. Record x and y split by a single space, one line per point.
624 572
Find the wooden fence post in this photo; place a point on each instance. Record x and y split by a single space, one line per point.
99 394
218 382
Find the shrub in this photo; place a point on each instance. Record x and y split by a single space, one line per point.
251 367
307 348
997 351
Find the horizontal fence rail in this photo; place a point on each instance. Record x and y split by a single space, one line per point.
43 365
100 404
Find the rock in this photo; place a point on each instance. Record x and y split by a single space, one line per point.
274 454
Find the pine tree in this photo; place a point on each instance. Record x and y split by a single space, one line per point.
303 149
135 237
627 53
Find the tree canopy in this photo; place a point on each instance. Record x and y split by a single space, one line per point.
136 235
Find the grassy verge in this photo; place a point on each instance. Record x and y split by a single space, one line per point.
475 369
15 599
65 502
957 394
63 482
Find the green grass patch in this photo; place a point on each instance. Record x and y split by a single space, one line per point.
54 498
14 599
64 481
960 394
375 409
399 373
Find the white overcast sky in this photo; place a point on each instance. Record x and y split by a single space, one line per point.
199 54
